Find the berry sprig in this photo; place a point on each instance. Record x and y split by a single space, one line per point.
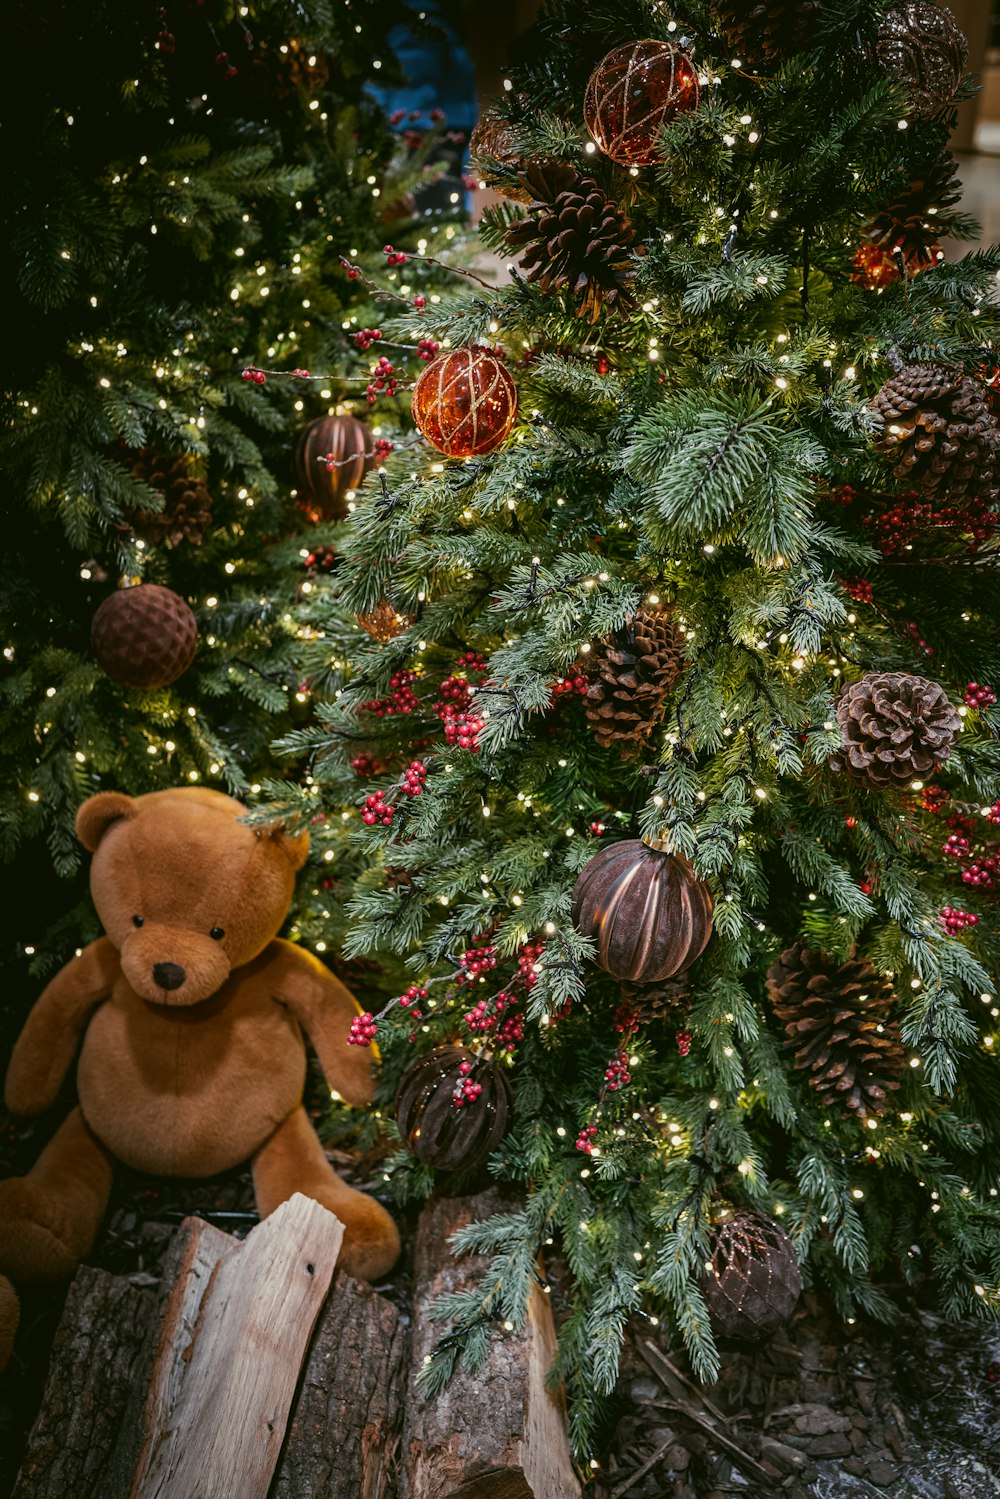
462 729
575 682
934 798
617 1074
377 809
467 1090
956 846
955 921
979 697
403 699
585 1139
683 1039
364 1029
858 589
475 963
413 779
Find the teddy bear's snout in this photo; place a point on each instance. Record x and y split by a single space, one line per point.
168 975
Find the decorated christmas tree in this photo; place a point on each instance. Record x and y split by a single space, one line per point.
658 746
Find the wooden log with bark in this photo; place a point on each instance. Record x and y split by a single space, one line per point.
499 1433
192 1393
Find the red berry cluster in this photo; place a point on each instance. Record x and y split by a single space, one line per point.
956 846
527 962
366 765
412 780
383 380
913 630
256 376
573 682
352 270
462 729
603 364
427 348
393 257
993 815
222 58
363 1030
472 661
377 809
983 871
413 993
934 798
617 1074
383 447
367 337
626 1020
683 1039
454 690
909 516
301 374
403 700
467 1091
598 828
476 962
979 697
320 559
585 1139
858 589
956 921
511 1031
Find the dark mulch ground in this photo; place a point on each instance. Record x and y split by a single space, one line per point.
823 1411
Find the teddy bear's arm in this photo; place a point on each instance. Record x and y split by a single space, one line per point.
324 1008
44 1051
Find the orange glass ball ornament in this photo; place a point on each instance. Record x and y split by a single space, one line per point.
633 92
465 403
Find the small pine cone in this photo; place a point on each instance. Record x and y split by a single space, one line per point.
895 728
665 1001
633 671
187 505
909 223
938 426
837 1020
574 237
766 29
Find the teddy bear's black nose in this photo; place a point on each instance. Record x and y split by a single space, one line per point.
168 975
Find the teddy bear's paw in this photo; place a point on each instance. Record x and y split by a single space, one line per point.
9 1313
36 1234
371 1238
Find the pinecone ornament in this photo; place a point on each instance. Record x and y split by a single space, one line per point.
766 29
659 1003
938 427
187 505
910 223
837 1020
896 728
574 237
633 671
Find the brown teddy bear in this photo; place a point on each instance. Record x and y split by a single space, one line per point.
192 1015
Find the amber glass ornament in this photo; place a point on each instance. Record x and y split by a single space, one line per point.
634 91
491 142
465 403
753 1281
921 46
450 1136
384 622
874 267
144 637
648 913
332 455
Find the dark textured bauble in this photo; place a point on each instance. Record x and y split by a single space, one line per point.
434 1128
632 93
144 636
632 674
646 910
753 1282
838 1020
575 238
938 428
768 30
465 403
921 46
332 455
187 506
895 728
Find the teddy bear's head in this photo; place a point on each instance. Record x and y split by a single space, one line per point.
186 891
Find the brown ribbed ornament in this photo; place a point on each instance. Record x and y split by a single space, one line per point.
348 442
909 221
187 505
575 238
837 1019
632 672
490 144
384 622
648 913
144 637
754 1281
436 1131
922 47
940 431
767 29
896 728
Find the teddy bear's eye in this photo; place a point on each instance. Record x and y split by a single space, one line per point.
137 921
217 934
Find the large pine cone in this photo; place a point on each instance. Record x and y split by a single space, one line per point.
837 1019
938 426
767 29
574 237
666 1000
187 505
896 728
633 671
910 223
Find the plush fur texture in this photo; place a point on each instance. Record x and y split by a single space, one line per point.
189 1018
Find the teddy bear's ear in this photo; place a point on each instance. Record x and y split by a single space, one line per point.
97 814
295 849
